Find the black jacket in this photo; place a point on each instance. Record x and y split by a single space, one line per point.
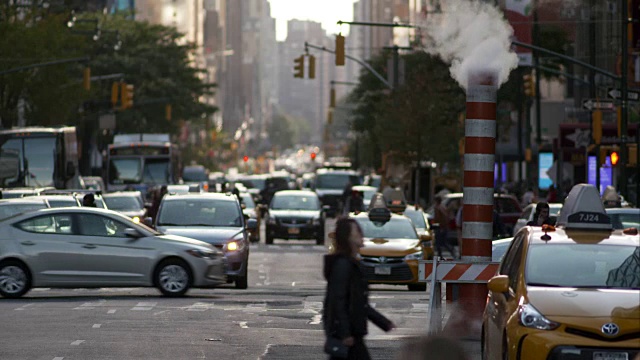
346 304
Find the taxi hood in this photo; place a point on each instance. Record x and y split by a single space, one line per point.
389 247
571 302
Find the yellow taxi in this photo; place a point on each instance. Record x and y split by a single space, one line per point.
567 292
392 247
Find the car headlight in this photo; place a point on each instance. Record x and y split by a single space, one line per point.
136 219
414 256
202 253
235 244
531 318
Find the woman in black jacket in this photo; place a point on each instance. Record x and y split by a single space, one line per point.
346 304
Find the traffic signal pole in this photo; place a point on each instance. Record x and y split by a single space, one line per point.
359 61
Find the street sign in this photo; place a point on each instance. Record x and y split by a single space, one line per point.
617 94
594 104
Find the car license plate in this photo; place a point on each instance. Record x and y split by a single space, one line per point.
610 356
294 231
382 270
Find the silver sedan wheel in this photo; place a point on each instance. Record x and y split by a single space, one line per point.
173 278
13 279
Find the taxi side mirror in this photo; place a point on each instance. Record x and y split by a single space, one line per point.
499 284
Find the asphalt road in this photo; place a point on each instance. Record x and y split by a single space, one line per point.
277 317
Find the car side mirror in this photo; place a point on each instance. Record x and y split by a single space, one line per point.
499 284
132 233
148 221
243 206
252 224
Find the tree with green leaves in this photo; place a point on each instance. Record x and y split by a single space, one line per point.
418 120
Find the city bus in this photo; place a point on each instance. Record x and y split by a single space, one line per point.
39 157
142 162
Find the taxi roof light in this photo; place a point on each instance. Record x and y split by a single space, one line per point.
378 211
583 209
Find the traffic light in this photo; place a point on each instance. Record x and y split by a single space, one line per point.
529 84
313 156
340 50
167 112
615 157
298 67
86 78
312 67
596 127
126 95
332 98
115 87
245 158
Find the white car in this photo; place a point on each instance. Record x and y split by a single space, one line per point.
527 215
86 247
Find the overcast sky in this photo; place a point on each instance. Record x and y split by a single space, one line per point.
327 12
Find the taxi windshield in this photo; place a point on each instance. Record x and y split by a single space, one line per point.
584 266
396 228
295 202
417 218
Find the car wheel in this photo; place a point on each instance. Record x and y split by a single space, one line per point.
15 279
243 281
418 287
173 277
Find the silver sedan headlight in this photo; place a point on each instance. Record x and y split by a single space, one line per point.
203 254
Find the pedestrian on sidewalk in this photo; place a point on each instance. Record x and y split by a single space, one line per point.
346 304
541 216
442 219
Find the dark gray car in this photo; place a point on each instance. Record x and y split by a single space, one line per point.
213 218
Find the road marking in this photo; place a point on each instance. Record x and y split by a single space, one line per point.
112 311
316 319
23 307
97 326
143 306
243 325
256 307
42 289
311 307
89 305
297 247
199 306
261 277
420 307
58 358
293 283
160 312
77 342
381 297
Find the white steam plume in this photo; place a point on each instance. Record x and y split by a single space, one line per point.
473 37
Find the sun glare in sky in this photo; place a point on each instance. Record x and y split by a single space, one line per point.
326 12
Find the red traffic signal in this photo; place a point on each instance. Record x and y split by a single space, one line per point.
615 157
245 158
313 156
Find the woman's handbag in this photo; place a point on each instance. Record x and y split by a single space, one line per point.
336 348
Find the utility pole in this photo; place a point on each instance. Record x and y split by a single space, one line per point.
624 151
592 80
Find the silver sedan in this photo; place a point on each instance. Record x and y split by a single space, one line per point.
90 247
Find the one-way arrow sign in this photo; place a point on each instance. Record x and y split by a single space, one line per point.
594 104
617 94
